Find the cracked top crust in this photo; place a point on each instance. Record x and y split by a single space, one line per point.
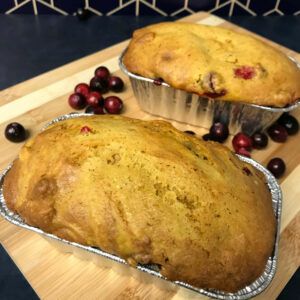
150 194
214 62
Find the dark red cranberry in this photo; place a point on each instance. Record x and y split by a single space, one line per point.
206 137
89 110
98 85
15 132
260 140
158 81
102 73
243 151
242 140
218 132
115 84
94 99
277 133
77 101
85 129
245 72
95 110
82 88
290 123
247 171
99 110
189 132
82 14
276 166
113 105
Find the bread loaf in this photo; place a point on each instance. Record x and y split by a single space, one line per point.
214 62
150 194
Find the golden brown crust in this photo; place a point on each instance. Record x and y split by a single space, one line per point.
150 194
214 62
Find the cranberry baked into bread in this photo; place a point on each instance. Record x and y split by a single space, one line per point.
214 62
150 194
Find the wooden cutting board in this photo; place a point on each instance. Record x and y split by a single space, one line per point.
57 275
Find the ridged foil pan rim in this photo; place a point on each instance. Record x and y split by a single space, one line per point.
255 288
267 108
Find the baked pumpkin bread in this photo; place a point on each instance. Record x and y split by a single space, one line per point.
150 194
214 62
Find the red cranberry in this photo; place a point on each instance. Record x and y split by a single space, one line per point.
15 132
113 105
242 140
158 81
245 72
89 110
94 99
98 85
243 151
289 123
77 101
82 88
95 110
276 166
277 133
99 110
102 73
218 132
206 137
260 140
85 129
115 84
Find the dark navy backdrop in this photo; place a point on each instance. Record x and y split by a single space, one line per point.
153 7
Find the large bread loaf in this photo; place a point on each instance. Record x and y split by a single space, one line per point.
150 194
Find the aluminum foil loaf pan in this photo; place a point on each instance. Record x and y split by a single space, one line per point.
160 99
144 272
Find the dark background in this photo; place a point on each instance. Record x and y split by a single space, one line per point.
150 7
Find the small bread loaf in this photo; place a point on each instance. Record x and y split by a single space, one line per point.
148 193
214 62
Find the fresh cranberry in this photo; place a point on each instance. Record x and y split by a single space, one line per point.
260 140
98 85
15 132
242 140
82 88
289 122
85 129
102 73
89 110
113 105
115 84
245 72
277 133
94 99
206 137
158 81
99 110
243 151
77 101
189 132
276 166
95 110
218 132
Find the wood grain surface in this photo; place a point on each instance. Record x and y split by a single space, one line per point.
57 275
